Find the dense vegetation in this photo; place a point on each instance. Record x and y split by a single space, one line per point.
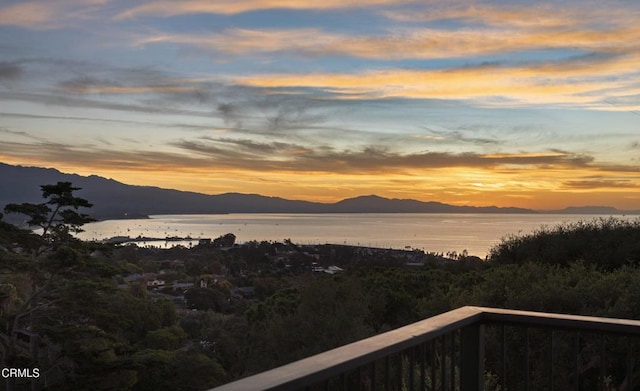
605 243
63 313
67 310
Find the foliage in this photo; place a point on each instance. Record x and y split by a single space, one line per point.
167 338
210 298
296 323
62 282
222 337
226 240
59 215
162 370
61 311
604 243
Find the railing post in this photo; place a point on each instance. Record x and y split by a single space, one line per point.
472 358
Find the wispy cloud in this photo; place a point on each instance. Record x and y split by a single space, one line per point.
572 83
599 60
66 101
484 29
171 8
48 14
455 136
406 43
109 120
85 85
265 156
280 156
604 183
230 107
15 133
538 15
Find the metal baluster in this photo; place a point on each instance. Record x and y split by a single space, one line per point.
400 379
578 361
629 364
453 360
372 376
526 360
387 373
603 352
412 362
503 353
443 363
433 365
551 362
423 367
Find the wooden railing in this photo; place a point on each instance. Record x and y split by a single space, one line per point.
473 348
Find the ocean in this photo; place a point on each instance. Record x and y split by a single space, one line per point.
441 233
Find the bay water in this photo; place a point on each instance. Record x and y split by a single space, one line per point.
431 232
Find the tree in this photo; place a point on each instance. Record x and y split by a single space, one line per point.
226 240
57 217
62 283
204 299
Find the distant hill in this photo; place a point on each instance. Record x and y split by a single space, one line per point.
114 200
585 210
373 204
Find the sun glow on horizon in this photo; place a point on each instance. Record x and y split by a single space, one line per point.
459 187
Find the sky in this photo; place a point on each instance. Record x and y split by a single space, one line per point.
509 103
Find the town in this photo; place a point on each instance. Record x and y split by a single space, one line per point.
223 275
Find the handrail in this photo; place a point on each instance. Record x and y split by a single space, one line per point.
311 370
334 362
561 321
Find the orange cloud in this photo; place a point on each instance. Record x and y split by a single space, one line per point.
531 15
582 81
406 43
523 85
243 41
228 7
501 28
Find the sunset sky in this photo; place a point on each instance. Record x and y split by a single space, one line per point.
509 103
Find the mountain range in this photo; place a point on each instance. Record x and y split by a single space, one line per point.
113 200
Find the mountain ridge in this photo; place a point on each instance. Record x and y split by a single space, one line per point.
114 200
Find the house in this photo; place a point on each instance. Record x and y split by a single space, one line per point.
156 283
329 270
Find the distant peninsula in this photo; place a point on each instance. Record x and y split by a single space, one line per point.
116 200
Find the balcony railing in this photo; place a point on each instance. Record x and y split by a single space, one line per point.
473 348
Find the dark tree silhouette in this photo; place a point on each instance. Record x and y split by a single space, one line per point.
60 280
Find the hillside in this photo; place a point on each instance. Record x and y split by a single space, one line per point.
113 199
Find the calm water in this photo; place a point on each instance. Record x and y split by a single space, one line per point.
476 233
